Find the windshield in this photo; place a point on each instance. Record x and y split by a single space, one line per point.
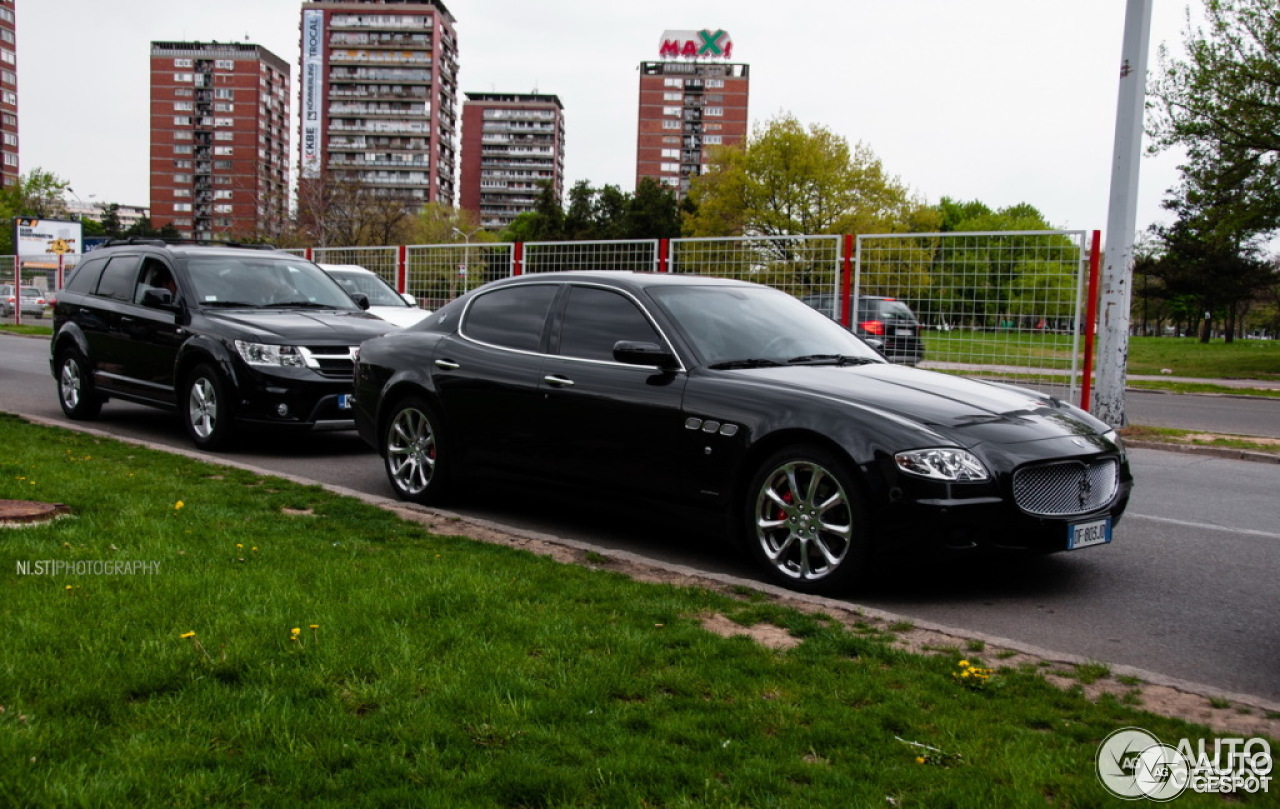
377 290
759 325
264 281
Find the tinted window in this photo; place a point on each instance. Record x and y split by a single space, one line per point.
85 277
117 279
512 317
595 319
155 275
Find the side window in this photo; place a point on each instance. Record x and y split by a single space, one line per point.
595 319
512 317
117 279
85 278
155 275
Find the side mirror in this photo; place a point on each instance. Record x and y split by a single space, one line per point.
409 299
633 352
157 298
361 299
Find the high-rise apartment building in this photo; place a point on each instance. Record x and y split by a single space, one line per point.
9 173
512 145
693 100
219 139
378 100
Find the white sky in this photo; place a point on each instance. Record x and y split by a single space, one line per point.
1004 101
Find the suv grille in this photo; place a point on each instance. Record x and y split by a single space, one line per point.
1066 488
335 362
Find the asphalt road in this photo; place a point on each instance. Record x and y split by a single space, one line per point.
1188 589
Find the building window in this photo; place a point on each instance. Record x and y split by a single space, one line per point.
673 96
184 78
7 56
224 92
714 112
224 135
715 82
10 97
182 63
670 168
223 150
714 140
181 120
183 106
185 207
222 195
223 122
224 107
673 83
184 92
670 124
181 179
182 192
225 64
672 153
10 159
183 164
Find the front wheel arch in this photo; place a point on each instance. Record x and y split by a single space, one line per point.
414 449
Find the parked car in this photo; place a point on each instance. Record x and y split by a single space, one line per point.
384 301
228 337
33 301
738 398
887 322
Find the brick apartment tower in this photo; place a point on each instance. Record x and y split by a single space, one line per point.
9 174
378 92
219 139
512 144
685 107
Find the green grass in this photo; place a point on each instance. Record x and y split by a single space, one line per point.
1173 435
26 328
438 671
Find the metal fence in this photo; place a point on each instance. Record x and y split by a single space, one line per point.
15 274
1000 305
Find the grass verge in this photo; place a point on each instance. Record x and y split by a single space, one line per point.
1199 438
299 647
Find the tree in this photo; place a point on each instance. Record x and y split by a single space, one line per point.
1221 103
787 180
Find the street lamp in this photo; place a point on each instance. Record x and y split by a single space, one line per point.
466 255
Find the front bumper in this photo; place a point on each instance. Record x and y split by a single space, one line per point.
292 399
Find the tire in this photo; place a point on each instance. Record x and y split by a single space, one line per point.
410 449
205 409
806 521
76 393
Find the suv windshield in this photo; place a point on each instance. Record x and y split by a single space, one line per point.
262 281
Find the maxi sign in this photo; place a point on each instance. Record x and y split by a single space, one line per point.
312 89
704 44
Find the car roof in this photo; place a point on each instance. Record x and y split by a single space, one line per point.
626 279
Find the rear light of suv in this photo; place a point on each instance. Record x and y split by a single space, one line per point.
875 327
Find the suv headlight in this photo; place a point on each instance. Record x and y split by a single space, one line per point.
955 465
263 354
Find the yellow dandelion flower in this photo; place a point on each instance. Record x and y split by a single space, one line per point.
919 759
178 505
187 635
963 664
315 626
295 632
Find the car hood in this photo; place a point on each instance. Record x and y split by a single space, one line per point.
968 410
300 326
399 316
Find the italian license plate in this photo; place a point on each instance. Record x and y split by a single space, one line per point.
344 401
903 332
1084 534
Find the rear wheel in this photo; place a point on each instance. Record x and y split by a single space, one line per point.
76 393
205 408
410 448
806 520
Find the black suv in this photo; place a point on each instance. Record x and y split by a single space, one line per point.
226 335
887 324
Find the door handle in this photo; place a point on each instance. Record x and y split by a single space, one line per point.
447 365
558 381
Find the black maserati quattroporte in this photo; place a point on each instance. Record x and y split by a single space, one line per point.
739 398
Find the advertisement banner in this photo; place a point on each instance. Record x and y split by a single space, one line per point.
312 90
39 242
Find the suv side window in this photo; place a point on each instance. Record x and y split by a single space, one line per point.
85 278
512 317
155 275
117 279
595 319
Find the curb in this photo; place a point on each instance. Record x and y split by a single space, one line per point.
1215 452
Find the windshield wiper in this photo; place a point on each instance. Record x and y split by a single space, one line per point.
230 304
753 362
835 359
297 305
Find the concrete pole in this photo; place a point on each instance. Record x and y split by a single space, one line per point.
1117 270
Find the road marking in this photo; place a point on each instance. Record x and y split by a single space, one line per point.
1209 526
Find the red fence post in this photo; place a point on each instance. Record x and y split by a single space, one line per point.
310 254
517 258
1090 321
17 291
846 282
664 255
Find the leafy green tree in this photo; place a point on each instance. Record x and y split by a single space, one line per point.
652 212
1221 103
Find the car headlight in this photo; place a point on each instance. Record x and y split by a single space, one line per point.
955 465
262 354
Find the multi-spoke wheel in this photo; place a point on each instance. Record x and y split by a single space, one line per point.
411 452
206 409
806 523
75 387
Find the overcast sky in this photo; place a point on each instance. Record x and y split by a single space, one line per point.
1005 101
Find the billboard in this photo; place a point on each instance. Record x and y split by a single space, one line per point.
312 90
39 242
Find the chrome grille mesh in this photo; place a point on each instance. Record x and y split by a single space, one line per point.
1066 488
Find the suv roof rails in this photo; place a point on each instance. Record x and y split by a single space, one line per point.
155 241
